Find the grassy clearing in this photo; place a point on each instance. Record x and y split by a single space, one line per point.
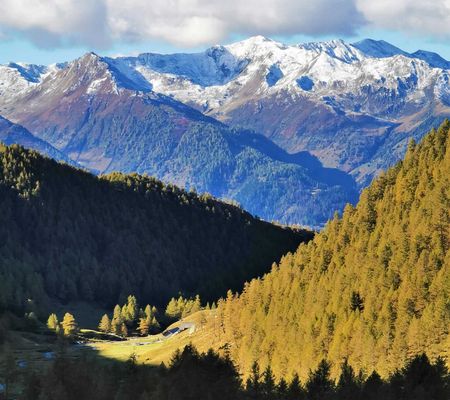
38 349
155 349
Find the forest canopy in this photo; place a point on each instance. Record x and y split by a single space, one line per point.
372 288
68 235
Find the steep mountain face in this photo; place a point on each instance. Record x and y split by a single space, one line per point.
352 106
372 288
342 102
15 134
68 235
107 118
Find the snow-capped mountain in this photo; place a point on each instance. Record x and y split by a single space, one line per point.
325 104
260 67
340 101
105 116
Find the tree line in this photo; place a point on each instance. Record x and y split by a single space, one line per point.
130 318
194 375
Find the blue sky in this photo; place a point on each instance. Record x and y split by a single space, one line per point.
49 31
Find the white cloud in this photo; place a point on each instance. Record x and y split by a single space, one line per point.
98 23
426 17
55 22
194 22
182 22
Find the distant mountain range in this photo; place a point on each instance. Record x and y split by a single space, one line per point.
290 132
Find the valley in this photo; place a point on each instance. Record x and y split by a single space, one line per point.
255 221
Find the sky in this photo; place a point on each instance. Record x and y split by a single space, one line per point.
49 31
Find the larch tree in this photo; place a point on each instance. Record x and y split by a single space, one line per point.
69 325
53 323
105 324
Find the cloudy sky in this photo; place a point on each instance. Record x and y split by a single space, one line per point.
46 31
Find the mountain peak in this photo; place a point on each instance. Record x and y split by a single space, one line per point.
89 58
378 48
91 55
434 59
259 41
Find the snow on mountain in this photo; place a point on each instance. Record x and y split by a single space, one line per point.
12 81
352 105
259 67
340 101
256 67
18 78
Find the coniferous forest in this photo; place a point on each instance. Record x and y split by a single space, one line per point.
372 288
68 235
359 311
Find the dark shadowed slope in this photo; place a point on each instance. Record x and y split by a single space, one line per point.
15 134
68 235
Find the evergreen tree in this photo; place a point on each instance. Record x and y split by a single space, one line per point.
295 389
123 330
253 385
348 386
319 385
144 326
268 383
117 321
282 389
172 309
130 312
373 388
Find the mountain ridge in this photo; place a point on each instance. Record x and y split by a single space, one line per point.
91 112
352 111
69 235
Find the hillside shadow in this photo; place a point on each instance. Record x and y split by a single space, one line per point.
329 176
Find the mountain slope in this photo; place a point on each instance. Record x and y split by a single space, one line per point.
373 287
353 106
15 134
68 235
92 111
340 101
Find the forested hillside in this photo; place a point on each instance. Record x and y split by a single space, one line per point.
68 235
372 288
96 116
15 134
